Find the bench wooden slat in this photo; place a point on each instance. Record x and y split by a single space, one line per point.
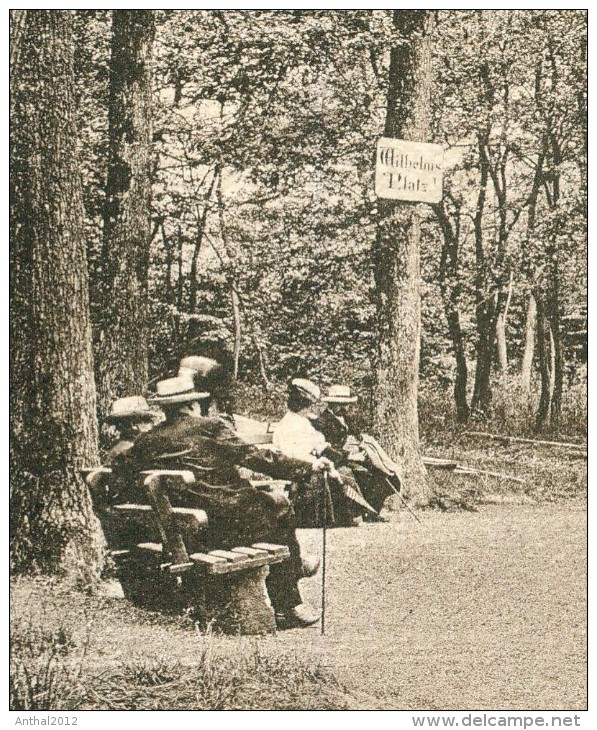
206 559
251 552
181 567
229 555
214 565
186 475
152 547
115 554
199 515
256 562
272 549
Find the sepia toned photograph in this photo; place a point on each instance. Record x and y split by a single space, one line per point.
298 363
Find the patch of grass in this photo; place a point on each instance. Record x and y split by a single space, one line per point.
46 664
217 680
80 658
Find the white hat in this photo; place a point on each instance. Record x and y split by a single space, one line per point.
306 388
134 407
340 394
197 364
176 390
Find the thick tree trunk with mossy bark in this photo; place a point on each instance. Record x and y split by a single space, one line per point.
53 428
122 361
396 261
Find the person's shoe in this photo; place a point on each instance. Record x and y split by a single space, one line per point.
310 566
376 518
298 617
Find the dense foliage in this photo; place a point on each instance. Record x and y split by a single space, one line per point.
263 205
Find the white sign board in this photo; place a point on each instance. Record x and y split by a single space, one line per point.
409 170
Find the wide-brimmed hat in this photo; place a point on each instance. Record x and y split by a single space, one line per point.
134 408
306 388
197 365
340 394
176 390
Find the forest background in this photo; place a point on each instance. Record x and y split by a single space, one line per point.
263 210
249 138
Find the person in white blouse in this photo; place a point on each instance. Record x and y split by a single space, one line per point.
294 436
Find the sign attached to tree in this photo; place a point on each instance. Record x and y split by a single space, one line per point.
409 170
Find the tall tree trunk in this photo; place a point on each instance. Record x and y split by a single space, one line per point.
122 362
461 379
545 370
484 299
451 291
500 330
201 226
396 260
237 328
17 26
53 427
529 345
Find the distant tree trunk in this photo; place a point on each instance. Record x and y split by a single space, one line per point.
262 363
237 328
201 226
545 369
451 291
484 302
500 330
122 361
529 345
53 427
396 260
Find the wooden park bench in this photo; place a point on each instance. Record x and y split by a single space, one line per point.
159 560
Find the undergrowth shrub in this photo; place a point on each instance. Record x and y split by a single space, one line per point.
45 666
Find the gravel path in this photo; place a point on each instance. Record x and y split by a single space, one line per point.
481 610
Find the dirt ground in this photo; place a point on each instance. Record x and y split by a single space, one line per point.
469 610
482 610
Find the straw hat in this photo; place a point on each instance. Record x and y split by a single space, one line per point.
306 388
133 407
180 389
197 365
340 394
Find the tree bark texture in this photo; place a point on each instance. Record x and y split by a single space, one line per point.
122 361
53 427
500 331
545 365
529 345
485 309
396 261
451 290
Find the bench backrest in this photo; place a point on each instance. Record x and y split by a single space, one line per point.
151 519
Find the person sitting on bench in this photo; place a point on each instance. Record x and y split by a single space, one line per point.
130 416
238 513
337 423
296 437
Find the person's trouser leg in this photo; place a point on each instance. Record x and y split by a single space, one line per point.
282 581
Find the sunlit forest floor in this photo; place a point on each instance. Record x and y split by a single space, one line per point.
466 610
481 605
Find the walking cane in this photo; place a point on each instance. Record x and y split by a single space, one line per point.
324 513
404 502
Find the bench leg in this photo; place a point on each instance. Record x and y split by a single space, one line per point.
237 603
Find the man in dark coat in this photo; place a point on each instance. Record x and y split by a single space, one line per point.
336 423
130 416
238 513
